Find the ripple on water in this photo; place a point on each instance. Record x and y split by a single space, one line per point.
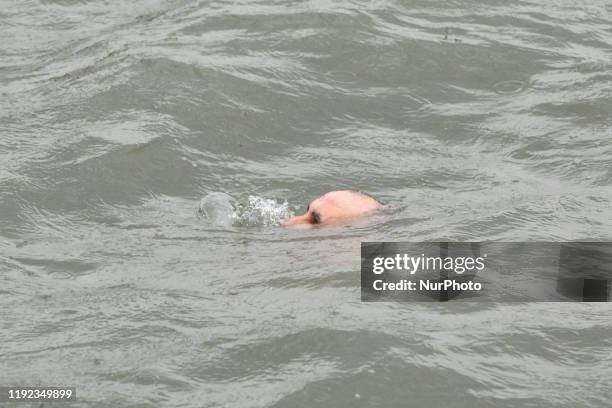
344 77
60 275
509 87
416 103
466 51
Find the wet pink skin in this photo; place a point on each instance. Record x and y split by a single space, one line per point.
333 207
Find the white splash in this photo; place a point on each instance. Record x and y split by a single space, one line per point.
220 209
261 211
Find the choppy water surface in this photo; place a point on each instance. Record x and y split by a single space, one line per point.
482 120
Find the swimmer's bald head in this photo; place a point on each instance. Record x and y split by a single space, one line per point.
333 207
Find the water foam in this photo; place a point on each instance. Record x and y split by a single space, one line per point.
220 209
261 211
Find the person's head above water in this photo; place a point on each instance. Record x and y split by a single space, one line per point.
335 206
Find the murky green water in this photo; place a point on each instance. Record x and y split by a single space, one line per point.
475 120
